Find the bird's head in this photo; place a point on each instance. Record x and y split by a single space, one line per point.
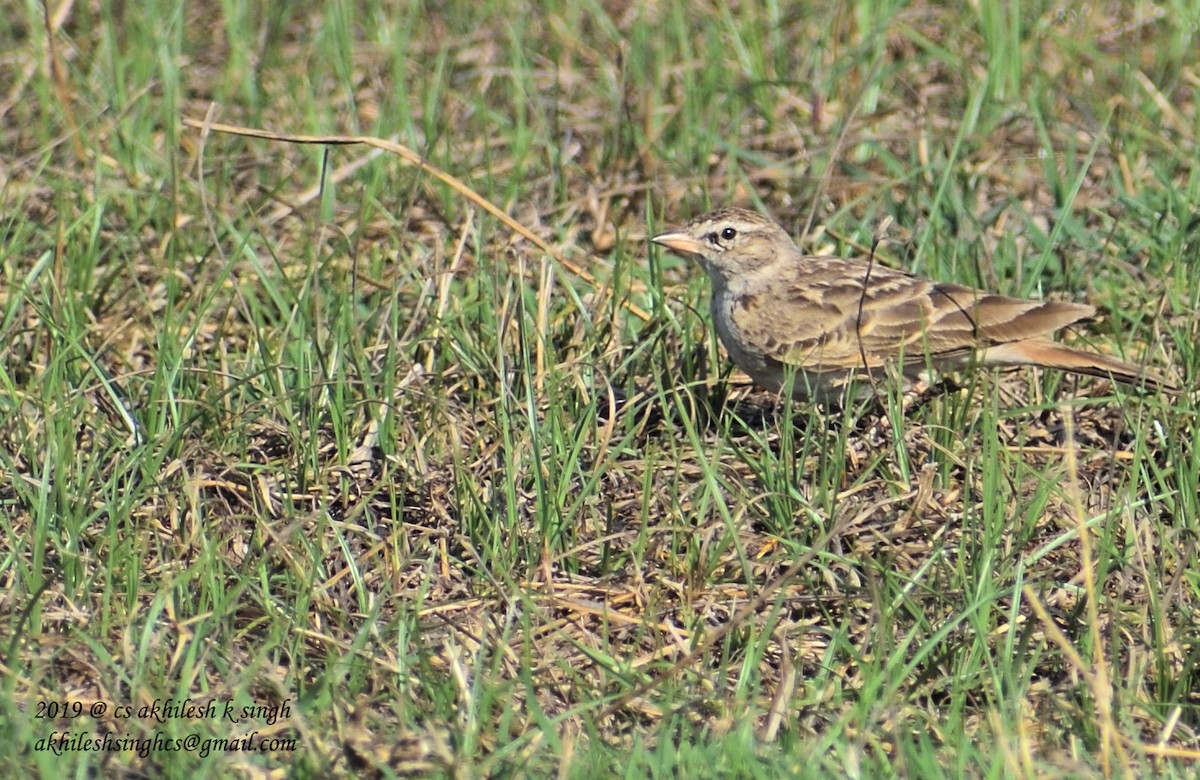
729 242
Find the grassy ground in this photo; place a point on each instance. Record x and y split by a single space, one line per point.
303 426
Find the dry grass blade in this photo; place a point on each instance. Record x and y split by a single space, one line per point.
52 23
411 157
1095 674
1101 685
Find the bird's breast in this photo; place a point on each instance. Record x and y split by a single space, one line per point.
733 316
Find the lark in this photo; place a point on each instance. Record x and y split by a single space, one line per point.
780 312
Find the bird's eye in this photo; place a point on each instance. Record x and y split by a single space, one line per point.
728 234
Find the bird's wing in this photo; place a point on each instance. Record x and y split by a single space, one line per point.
829 320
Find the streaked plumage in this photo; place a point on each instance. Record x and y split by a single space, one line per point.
828 317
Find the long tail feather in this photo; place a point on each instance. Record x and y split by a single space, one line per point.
1048 354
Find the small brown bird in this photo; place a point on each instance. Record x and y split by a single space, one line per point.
829 318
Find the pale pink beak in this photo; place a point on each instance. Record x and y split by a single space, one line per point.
678 241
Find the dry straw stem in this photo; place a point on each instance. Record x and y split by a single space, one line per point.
52 23
1096 675
411 157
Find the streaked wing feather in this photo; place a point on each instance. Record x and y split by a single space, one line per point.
900 316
